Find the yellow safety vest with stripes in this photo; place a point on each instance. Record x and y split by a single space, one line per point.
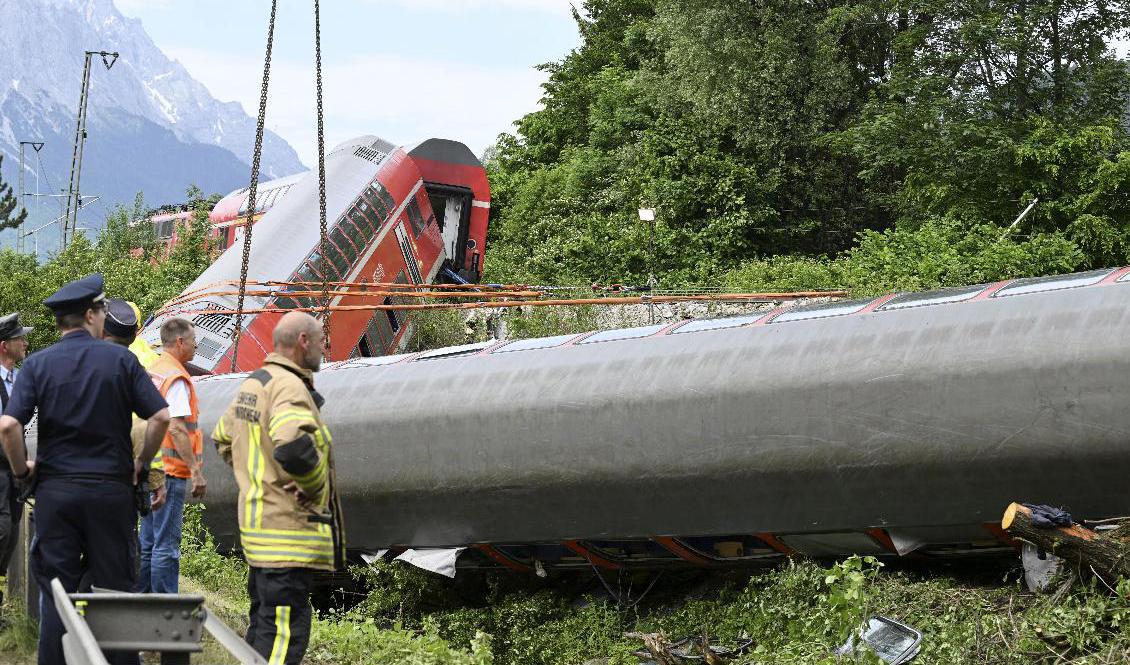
273 425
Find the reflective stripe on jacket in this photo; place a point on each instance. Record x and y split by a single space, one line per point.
165 371
272 434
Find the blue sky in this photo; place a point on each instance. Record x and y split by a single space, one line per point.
402 69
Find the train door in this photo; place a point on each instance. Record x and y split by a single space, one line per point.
452 209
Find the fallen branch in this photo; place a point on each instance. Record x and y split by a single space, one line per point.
658 647
1110 557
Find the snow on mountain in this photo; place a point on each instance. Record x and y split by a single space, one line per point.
144 97
143 82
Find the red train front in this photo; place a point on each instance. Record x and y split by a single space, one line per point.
411 215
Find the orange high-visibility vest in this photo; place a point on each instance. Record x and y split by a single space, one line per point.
164 372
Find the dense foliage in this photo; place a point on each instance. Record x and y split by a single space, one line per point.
798 612
787 128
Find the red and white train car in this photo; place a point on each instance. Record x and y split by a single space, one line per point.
411 215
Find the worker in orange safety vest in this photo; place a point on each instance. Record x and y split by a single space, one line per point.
182 454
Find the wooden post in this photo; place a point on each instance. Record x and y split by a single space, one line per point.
1108 555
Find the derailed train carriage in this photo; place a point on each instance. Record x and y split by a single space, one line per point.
901 425
409 215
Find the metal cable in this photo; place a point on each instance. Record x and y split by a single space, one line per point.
321 171
258 153
47 177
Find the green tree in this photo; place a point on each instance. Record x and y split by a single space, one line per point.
9 218
989 105
133 269
788 127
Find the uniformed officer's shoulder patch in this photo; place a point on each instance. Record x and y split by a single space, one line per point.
261 375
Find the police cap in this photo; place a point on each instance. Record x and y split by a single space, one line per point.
77 296
10 327
121 319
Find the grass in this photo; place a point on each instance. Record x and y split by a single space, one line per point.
17 637
796 613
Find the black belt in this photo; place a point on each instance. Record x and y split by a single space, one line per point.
125 480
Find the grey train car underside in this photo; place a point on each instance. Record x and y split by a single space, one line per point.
895 426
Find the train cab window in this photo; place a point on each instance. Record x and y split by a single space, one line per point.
622 333
164 229
285 302
935 297
392 315
362 215
374 194
336 258
323 267
717 324
372 216
1125 278
1054 283
534 343
357 229
381 198
386 198
821 311
340 238
454 351
394 318
415 217
307 274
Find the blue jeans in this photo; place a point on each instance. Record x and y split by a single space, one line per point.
160 541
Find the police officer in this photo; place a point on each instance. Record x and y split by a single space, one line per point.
13 349
121 328
85 514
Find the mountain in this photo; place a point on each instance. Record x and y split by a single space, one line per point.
151 127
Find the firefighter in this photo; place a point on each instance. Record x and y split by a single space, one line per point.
290 520
86 511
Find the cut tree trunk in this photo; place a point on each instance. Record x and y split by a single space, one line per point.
1110 557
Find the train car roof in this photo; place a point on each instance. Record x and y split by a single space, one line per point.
271 184
776 316
444 150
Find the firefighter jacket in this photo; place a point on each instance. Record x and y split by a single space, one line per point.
165 371
272 434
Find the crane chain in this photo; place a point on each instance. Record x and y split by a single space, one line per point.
258 153
322 247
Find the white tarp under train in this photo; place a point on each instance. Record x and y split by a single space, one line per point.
904 423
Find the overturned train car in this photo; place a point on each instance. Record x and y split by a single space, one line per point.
409 215
898 425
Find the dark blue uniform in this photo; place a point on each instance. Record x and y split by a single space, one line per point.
85 515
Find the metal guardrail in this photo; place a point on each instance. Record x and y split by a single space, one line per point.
169 624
